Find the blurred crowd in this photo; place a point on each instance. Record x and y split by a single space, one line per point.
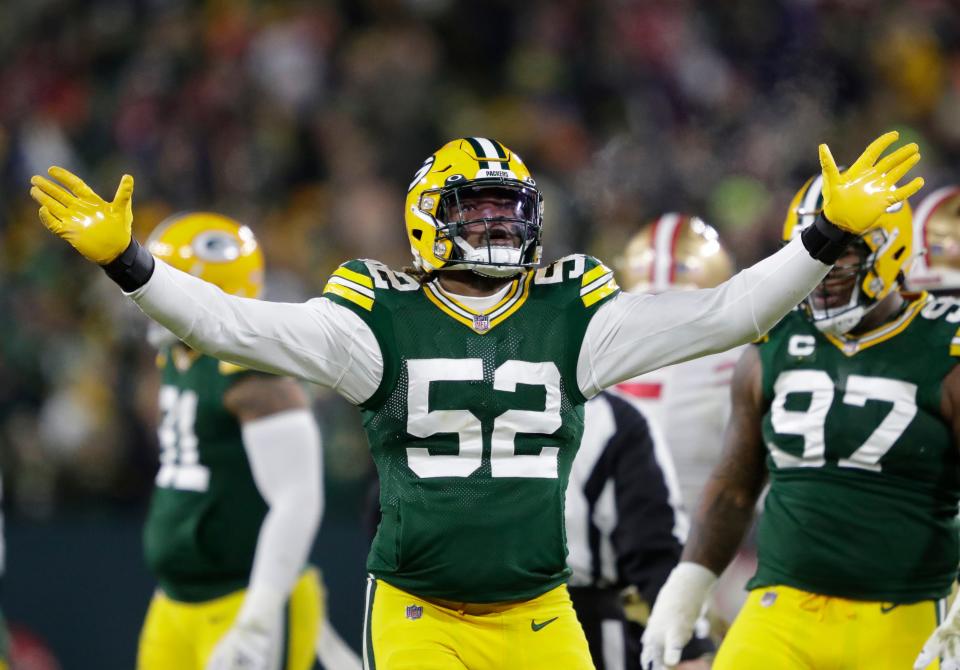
306 120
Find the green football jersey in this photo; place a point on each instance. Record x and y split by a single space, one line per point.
474 426
206 511
863 467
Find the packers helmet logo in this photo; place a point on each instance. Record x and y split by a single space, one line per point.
213 247
422 172
216 246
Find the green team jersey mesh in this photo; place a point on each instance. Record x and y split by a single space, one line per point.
863 467
206 512
474 427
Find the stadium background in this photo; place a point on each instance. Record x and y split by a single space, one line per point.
307 120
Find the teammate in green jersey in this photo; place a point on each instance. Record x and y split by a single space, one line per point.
850 407
238 494
471 374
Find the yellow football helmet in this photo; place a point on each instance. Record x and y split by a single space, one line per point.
936 231
674 251
474 205
885 254
213 247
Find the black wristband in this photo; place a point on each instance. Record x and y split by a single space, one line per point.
131 269
825 241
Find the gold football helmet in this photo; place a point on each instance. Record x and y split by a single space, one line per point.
473 205
936 231
213 247
850 290
674 251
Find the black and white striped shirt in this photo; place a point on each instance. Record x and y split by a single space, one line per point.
625 527
624 517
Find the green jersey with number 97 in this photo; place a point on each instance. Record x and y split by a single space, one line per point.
206 512
474 426
863 467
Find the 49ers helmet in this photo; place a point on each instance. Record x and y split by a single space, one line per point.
437 217
936 231
674 251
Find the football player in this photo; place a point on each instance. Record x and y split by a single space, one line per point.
238 494
623 546
850 407
471 374
936 236
936 227
689 400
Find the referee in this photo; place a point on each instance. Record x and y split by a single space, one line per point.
625 532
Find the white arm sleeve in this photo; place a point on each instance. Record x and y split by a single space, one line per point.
633 334
318 341
285 457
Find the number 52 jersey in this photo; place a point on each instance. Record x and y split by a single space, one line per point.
863 466
474 426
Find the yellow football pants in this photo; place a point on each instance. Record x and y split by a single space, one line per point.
181 636
405 632
782 628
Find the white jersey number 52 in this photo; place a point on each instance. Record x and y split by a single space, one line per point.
504 461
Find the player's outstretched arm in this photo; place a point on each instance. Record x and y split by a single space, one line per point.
283 447
722 519
633 334
318 341
944 643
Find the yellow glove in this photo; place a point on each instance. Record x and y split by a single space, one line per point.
855 199
98 229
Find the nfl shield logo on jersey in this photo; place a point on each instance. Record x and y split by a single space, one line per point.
414 612
481 323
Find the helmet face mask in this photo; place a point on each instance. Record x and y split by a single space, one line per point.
494 227
473 205
873 267
834 305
